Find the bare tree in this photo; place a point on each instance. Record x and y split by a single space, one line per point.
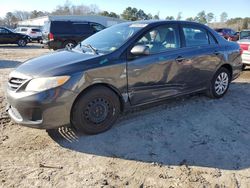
223 17
179 16
10 19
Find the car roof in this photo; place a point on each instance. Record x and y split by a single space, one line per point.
161 21
155 22
5 28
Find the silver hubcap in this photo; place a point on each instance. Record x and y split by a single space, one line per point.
70 45
21 42
221 83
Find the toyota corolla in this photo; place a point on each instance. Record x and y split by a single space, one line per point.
121 67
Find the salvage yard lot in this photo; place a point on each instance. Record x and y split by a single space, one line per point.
191 141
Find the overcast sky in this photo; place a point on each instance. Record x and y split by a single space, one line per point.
189 8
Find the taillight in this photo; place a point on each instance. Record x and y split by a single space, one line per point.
33 32
51 36
244 46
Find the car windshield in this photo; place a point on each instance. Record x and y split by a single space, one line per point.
110 39
245 34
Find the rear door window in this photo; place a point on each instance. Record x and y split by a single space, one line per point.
195 36
62 27
82 28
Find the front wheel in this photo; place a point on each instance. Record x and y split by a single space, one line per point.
96 110
220 83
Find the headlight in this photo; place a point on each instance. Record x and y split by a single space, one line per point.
42 84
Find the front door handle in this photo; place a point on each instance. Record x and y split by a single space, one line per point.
180 59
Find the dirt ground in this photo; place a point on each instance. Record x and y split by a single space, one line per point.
192 141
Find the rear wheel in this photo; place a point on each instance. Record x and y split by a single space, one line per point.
22 43
243 67
69 44
220 83
96 110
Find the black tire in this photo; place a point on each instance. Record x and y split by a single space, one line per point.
69 44
243 67
22 42
213 91
96 110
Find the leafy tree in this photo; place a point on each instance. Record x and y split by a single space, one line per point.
201 17
129 14
111 14
114 15
134 14
245 24
150 16
36 14
210 17
234 20
169 18
10 19
223 17
190 19
104 13
156 17
141 15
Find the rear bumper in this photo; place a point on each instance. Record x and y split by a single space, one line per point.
45 110
36 38
246 57
52 44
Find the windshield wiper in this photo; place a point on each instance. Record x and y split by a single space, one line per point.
90 47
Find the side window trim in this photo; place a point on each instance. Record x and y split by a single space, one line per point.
213 38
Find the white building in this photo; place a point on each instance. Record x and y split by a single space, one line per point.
103 20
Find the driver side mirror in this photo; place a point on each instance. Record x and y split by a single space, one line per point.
140 50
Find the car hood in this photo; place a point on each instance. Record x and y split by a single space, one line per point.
57 63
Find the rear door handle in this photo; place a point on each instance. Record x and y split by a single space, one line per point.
180 59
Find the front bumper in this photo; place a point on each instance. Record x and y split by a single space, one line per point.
44 110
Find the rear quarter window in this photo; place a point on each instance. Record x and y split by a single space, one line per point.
46 27
97 27
36 30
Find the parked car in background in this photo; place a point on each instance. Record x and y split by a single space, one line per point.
121 67
228 34
34 33
61 34
244 43
245 34
9 37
